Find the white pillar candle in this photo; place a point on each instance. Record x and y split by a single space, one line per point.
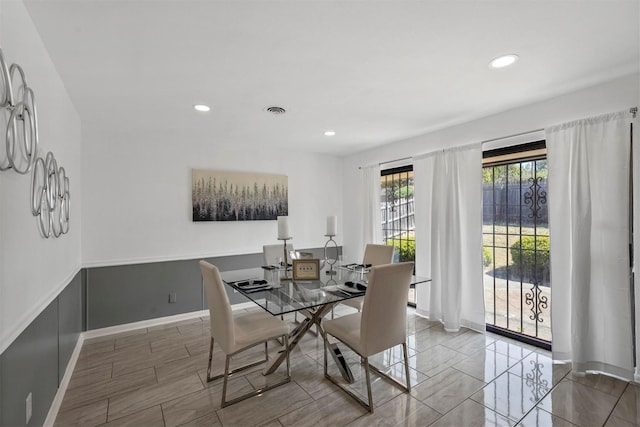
283 227
332 225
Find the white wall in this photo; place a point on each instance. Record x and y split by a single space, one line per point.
616 95
137 202
33 270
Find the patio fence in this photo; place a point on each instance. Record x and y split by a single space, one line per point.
509 208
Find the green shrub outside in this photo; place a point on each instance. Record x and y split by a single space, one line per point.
487 256
407 251
525 258
405 248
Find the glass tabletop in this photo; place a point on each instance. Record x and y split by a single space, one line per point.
268 289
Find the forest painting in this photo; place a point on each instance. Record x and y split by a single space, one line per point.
238 196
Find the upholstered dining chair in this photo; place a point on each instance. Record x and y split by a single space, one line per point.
374 255
237 332
271 253
381 325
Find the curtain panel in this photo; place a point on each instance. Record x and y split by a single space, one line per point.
371 216
448 198
589 162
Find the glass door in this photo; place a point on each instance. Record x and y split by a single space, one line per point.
398 215
516 244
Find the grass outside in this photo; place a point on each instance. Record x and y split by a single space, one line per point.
511 304
506 306
499 239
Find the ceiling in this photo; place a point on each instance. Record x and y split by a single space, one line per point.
372 71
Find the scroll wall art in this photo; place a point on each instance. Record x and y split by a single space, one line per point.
238 196
50 195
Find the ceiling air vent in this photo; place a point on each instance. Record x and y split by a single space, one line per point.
276 110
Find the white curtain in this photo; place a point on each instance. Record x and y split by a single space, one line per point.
371 216
448 197
589 237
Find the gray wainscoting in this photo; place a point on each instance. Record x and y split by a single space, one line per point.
36 361
130 293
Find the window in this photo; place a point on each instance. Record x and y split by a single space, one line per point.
398 214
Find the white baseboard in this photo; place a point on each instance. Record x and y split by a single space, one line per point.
57 400
143 324
62 389
157 321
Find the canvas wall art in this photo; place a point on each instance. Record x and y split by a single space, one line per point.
238 196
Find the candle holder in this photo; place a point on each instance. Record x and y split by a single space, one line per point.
328 260
286 262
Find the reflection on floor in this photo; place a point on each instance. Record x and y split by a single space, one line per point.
156 377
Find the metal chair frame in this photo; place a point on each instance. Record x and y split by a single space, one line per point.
365 361
227 373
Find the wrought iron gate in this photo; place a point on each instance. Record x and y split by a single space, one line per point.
516 248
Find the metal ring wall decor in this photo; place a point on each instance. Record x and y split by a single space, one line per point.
7 93
50 196
50 191
22 126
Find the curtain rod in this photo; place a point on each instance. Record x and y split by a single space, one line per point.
482 142
632 110
512 136
388 161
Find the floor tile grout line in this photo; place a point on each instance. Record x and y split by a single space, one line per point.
164 419
548 393
495 409
616 404
108 407
500 413
277 418
452 409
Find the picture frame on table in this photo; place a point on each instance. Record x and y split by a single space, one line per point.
306 269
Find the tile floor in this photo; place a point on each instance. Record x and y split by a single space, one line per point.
156 377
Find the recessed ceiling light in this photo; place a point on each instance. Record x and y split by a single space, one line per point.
201 107
329 133
503 61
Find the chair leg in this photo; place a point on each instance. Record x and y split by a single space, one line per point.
259 391
242 368
209 379
406 365
366 370
286 345
368 406
325 355
223 403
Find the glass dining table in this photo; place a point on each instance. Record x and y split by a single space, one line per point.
272 289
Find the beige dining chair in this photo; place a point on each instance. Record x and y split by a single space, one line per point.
271 253
237 332
374 255
381 325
